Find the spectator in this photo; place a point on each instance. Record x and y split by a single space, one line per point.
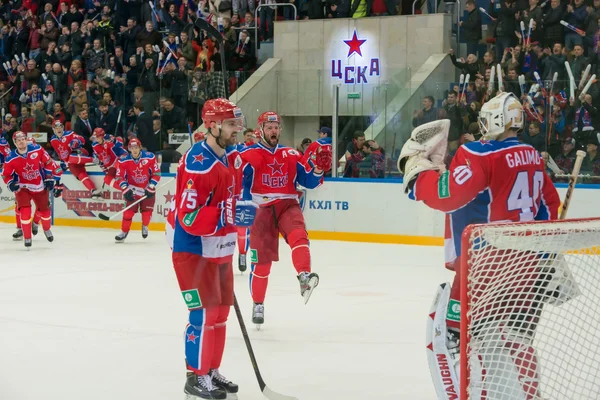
59 114
591 163
532 136
302 146
566 159
354 155
576 14
173 118
374 161
85 127
553 30
470 67
472 27
145 128
107 119
504 11
455 113
76 102
429 113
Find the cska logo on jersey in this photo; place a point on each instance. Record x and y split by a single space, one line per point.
138 176
30 173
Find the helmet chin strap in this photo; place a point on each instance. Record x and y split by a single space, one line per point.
218 137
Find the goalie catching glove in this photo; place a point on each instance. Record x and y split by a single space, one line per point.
425 150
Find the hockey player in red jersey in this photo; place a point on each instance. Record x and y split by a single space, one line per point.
495 179
69 147
199 136
243 238
324 142
31 174
271 172
138 174
204 214
108 150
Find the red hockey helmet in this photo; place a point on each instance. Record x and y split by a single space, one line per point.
199 136
18 135
257 133
31 140
57 124
267 116
134 142
98 133
219 110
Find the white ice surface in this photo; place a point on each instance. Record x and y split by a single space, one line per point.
85 318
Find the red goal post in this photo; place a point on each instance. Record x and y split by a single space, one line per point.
530 311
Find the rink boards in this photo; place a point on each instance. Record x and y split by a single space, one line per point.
356 210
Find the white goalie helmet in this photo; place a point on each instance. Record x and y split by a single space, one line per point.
501 113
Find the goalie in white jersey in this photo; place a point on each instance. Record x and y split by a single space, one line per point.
492 180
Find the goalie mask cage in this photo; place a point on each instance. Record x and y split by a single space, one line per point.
530 311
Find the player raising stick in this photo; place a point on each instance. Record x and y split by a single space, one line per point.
31 174
271 172
204 215
108 150
138 174
69 147
496 179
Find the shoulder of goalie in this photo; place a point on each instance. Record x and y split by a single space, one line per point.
425 150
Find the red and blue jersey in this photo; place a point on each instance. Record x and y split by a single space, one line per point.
270 175
138 173
204 183
4 151
312 148
488 181
30 169
62 145
109 152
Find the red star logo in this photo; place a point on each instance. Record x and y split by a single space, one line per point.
199 158
168 197
276 168
138 173
191 337
29 168
355 44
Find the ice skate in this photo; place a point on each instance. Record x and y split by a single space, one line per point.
97 194
242 262
202 387
258 315
224 384
144 231
34 229
49 235
28 243
18 235
120 238
308 282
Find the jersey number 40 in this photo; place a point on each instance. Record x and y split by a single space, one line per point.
520 197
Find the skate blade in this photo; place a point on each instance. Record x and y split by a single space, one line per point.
119 241
17 239
232 396
258 326
312 283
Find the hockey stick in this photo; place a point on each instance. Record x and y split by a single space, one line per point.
572 182
105 217
268 393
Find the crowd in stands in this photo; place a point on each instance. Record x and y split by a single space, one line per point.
561 117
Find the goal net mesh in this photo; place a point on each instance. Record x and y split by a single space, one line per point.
531 311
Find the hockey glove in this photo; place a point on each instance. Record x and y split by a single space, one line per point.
14 186
323 159
58 189
75 144
245 212
63 166
49 184
128 195
150 191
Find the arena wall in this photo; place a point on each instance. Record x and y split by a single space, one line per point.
356 210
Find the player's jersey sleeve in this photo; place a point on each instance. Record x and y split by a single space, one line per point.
122 174
51 168
154 170
306 175
195 211
8 172
455 188
550 201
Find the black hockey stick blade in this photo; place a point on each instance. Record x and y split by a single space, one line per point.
103 217
266 391
203 24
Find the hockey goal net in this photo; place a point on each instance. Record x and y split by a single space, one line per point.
530 311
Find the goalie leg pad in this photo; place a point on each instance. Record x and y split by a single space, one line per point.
509 365
443 366
561 286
